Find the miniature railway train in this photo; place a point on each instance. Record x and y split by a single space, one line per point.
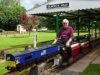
37 55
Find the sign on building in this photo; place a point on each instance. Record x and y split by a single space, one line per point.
57 5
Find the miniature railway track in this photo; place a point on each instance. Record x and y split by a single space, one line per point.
11 73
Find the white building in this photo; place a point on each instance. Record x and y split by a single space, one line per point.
21 29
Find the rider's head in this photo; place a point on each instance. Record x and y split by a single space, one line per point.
65 23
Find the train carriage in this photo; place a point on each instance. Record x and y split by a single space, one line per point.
33 55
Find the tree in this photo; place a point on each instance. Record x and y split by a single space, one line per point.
48 22
9 3
29 22
9 17
10 11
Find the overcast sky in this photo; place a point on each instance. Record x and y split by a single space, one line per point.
28 4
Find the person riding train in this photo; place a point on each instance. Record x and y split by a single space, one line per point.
65 37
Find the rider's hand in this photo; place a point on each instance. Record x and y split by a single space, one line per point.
68 44
55 41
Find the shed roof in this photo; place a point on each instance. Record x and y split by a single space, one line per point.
73 6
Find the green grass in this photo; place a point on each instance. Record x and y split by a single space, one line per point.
12 41
2 68
92 69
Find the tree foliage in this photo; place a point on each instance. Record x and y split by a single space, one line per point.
29 22
9 3
9 14
48 22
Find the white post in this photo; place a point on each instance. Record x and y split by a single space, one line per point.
35 37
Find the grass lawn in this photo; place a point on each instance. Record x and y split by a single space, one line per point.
92 69
2 68
12 41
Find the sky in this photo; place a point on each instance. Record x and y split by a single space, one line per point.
28 4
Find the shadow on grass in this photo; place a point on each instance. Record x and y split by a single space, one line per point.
47 32
45 43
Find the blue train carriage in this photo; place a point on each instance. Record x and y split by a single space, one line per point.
31 56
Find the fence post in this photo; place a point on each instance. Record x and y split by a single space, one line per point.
35 39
